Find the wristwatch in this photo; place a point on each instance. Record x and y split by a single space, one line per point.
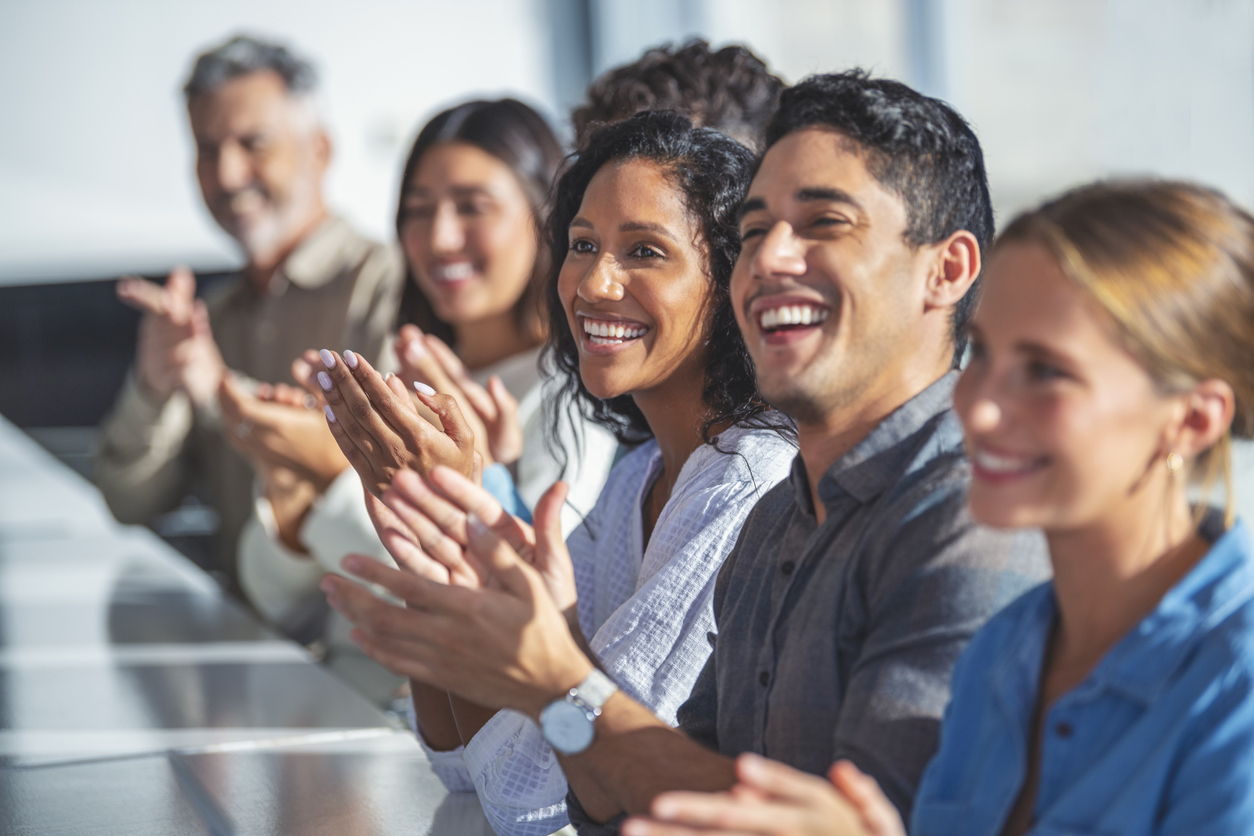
567 723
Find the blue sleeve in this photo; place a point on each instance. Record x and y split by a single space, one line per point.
1212 791
498 482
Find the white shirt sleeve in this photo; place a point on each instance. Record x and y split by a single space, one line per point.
338 525
276 579
654 643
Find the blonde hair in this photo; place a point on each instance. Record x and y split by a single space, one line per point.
1172 264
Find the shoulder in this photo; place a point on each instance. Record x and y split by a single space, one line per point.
757 457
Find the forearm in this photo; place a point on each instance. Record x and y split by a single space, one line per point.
469 717
635 757
434 717
140 468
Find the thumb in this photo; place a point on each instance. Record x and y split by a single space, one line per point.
451 419
180 291
200 319
548 519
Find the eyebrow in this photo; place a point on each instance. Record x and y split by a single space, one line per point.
458 191
581 222
810 194
642 226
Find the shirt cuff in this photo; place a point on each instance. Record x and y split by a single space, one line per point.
448 766
276 579
338 525
139 423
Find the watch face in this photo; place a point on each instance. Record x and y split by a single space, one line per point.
566 727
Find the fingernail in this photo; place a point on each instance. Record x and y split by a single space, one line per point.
352 563
324 380
475 524
350 358
327 585
328 359
330 414
309 401
415 351
423 389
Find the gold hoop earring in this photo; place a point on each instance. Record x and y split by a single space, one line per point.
1175 462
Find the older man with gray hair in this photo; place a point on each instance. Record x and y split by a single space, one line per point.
309 280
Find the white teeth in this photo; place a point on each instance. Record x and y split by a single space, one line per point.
791 315
611 333
1001 464
454 272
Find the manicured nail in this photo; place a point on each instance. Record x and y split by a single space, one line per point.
350 358
415 351
324 380
328 359
423 389
309 401
330 414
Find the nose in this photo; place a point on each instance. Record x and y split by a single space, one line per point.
447 234
234 168
601 283
985 415
781 253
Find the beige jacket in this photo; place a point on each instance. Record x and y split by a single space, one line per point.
336 290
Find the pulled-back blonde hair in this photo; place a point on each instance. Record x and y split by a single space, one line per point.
1172 265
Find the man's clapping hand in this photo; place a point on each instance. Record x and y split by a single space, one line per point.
176 350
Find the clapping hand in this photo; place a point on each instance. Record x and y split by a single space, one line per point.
175 350
434 515
500 641
492 410
379 430
275 428
772 799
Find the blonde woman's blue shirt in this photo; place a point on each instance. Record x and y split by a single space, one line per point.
1158 739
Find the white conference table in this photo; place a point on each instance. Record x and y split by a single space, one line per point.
136 698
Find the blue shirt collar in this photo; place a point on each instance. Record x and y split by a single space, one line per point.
1141 663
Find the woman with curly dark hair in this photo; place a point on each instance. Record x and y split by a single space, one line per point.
643 237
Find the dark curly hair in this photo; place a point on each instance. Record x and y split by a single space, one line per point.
916 147
730 90
517 136
712 171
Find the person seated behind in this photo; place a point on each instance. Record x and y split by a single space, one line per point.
643 238
472 203
1109 371
730 90
855 584
260 158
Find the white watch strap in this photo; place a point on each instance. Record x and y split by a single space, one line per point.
595 689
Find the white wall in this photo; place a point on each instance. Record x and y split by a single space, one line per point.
95 155
95 158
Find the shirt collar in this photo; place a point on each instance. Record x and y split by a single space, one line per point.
893 448
1222 581
321 255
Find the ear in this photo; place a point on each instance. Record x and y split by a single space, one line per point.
322 148
955 267
1207 414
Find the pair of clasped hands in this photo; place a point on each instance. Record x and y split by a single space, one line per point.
431 412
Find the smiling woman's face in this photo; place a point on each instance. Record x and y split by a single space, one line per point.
468 233
634 285
1062 424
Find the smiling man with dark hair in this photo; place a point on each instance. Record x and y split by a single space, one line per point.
854 584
